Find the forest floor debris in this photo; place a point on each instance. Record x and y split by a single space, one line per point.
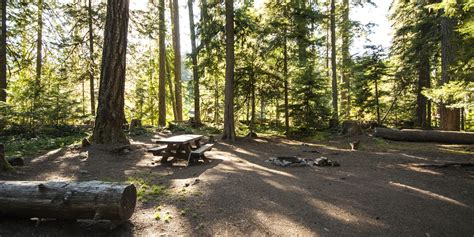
292 161
375 192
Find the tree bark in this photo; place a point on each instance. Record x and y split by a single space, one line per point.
170 87
252 121
335 116
91 59
162 65
345 32
177 61
110 112
413 135
377 103
449 118
423 81
197 107
4 165
229 127
3 53
67 200
39 54
285 74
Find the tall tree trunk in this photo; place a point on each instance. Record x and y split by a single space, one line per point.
39 54
151 91
177 60
91 59
285 74
216 101
423 80
377 104
300 21
328 45
252 121
335 117
162 65
3 53
229 127
449 118
345 31
170 86
110 112
197 108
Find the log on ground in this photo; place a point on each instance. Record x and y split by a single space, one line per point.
415 135
67 200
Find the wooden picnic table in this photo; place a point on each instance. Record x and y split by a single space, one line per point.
179 146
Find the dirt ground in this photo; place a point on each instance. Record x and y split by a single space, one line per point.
375 192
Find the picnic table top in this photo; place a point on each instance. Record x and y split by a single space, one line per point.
180 139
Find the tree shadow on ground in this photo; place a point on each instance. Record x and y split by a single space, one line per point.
372 193
368 195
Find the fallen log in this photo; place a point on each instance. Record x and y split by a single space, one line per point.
415 135
67 200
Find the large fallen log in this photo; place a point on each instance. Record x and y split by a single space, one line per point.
415 135
67 200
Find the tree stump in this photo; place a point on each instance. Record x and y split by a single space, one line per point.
351 128
67 200
135 124
4 165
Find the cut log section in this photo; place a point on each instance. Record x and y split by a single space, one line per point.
67 200
415 135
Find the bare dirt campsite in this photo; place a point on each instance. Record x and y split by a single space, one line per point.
377 190
236 118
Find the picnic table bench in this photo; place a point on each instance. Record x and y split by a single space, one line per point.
187 147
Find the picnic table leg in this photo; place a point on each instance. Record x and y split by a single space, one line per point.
167 153
197 143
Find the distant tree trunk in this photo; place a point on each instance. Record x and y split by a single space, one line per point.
177 60
252 121
91 59
39 53
229 127
151 90
197 108
449 118
3 53
345 91
110 112
285 74
301 31
377 104
335 117
277 113
162 65
170 86
216 101
328 45
423 80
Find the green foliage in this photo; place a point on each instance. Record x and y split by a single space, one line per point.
146 190
455 94
20 141
310 109
369 69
